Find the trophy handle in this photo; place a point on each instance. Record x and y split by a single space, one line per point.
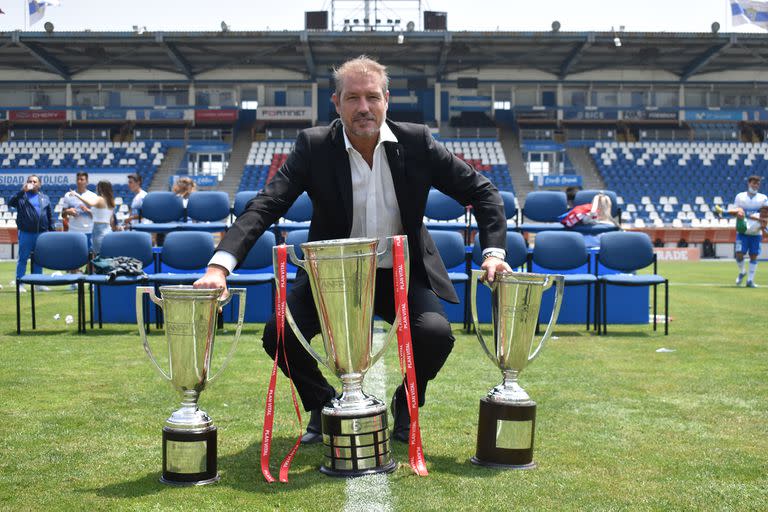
288 316
240 316
559 281
291 254
393 328
477 275
140 291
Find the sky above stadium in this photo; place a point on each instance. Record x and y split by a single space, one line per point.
485 15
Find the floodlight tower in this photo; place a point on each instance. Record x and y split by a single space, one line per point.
374 15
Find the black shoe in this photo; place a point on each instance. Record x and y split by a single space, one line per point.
314 428
401 420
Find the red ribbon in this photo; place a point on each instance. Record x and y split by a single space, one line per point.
405 353
269 408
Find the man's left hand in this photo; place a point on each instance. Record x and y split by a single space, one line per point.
492 265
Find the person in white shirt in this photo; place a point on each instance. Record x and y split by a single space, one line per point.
134 184
748 204
77 213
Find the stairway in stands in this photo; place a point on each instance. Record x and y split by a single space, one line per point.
514 156
585 165
237 159
168 168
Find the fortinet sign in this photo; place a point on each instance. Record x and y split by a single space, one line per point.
284 113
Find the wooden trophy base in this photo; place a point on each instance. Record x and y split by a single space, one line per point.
505 435
189 458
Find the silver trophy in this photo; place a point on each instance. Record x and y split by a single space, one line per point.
189 435
507 414
342 275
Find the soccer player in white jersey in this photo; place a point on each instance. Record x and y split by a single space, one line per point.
749 204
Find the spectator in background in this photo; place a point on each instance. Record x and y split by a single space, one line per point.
134 185
570 195
183 187
596 212
103 209
34 215
76 213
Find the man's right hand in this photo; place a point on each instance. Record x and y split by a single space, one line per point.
215 277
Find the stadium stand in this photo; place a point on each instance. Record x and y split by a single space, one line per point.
676 183
485 155
143 157
264 159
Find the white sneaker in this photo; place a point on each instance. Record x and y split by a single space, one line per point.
22 289
751 284
739 279
42 288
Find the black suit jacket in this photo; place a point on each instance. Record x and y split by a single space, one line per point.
320 165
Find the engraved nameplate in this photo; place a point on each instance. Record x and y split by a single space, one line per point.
514 435
186 457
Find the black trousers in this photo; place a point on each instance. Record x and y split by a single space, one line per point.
430 333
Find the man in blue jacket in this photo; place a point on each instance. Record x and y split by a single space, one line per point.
33 216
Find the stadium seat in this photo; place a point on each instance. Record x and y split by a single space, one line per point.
188 251
627 252
60 251
164 209
450 245
297 216
561 251
443 213
133 244
241 200
207 211
544 207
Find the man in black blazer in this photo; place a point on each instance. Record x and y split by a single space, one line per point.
368 177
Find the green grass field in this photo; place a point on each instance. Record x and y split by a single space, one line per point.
619 426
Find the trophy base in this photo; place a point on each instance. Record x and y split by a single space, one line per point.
505 435
189 458
356 445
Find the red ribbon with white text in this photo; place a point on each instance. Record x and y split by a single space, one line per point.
405 353
269 409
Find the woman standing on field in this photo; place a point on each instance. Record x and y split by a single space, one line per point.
103 209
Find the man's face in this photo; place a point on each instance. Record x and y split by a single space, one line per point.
82 183
753 185
133 185
362 104
33 184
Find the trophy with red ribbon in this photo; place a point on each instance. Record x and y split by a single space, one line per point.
507 414
342 276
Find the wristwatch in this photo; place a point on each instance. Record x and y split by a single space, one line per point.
493 254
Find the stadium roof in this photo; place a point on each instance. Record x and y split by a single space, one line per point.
430 54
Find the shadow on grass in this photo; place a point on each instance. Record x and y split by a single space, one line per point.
240 471
144 486
440 464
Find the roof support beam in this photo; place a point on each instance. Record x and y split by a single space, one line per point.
444 55
178 59
574 56
46 59
705 58
311 68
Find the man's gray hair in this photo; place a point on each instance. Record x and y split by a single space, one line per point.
362 65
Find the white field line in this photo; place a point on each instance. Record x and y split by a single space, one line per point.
371 493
